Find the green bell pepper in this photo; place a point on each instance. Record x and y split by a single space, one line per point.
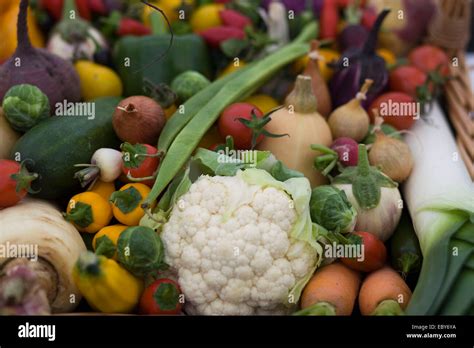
133 57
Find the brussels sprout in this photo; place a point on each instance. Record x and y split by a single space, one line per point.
140 250
25 106
189 83
330 208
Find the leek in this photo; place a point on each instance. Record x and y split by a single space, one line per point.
440 198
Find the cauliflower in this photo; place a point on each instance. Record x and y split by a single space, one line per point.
241 245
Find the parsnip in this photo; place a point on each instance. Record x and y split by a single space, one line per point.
59 244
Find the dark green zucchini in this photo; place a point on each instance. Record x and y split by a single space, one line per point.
57 144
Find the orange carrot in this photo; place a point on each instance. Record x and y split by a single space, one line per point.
331 291
384 292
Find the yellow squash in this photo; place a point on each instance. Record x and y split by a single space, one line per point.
107 286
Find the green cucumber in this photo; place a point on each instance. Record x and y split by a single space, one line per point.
54 146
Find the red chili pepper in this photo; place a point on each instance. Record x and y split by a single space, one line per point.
129 26
84 10
214 36
369 16
232 18
329 19
98 7
55 8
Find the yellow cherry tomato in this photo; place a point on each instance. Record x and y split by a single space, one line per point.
98 80
88 212
387 55
169 7
170 111
104 189
112 232
233 66
264 102
206 16
212 137
328 55
126 203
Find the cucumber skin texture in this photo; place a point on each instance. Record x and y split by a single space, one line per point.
60 142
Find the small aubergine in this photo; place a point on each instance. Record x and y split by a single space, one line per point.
358 64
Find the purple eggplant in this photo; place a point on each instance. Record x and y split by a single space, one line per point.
358 64
353 36
298 6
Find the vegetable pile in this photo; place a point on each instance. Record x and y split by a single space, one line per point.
229 158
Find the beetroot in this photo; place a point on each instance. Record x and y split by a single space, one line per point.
54 76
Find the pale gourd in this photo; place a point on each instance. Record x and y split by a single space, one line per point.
304 125
8 136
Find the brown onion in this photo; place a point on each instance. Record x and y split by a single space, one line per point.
138 120
392 156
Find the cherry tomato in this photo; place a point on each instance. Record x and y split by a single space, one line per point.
374 254
406 78
230 125
161 297
397 109
429 58
15 181
140 161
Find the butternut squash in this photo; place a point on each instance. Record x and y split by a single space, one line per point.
8 137
304 125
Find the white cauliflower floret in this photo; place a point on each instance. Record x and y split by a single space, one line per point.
229 243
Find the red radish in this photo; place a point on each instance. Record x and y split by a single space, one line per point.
162 297
406 79
229 124
429 58
15 181
140 161
216 35
232 18
347 150
386 105
374 254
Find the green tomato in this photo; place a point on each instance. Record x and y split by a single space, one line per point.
189 83
330 208
25 106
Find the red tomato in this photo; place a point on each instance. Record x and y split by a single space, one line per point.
13 189
375 254
397 109
230 125
140 161
161 297
406 78
429 58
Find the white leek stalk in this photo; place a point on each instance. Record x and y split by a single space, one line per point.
440 197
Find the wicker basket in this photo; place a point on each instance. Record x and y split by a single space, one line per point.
450 30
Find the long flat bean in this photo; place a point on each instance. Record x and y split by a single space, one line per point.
191 107
187 140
